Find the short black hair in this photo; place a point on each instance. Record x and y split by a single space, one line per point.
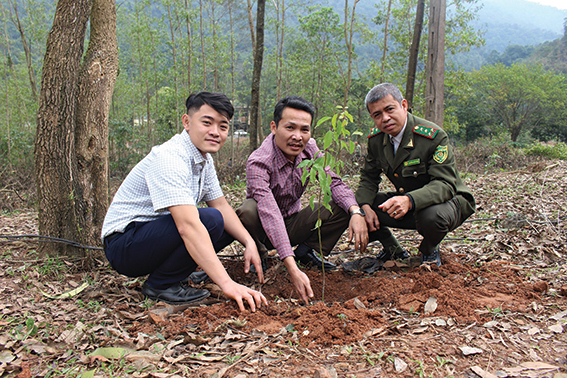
217 101
294 102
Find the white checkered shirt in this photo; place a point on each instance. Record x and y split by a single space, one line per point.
174 173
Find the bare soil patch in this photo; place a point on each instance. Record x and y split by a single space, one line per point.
496 306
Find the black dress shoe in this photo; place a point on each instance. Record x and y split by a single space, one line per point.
400 254
310 259
433 258
264 266
199 277
177 294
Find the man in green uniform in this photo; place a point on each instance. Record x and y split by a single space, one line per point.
416 156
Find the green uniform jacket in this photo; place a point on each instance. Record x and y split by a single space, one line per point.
423 167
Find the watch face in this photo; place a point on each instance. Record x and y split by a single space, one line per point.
359 211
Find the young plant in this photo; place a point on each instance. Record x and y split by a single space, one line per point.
319 169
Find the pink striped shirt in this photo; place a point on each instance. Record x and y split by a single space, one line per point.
275 183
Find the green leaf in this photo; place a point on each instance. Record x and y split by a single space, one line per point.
88 374
328 139
110 353
67 294
312 202
351 146
322 120
318 223
313 175
334 120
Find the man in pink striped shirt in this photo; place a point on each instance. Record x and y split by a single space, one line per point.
272 211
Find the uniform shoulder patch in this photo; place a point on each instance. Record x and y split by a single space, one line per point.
426 131
374 131
441 154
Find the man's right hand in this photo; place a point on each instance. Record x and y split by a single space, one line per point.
240 293
300 280
371 218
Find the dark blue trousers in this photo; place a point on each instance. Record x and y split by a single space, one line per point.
156 248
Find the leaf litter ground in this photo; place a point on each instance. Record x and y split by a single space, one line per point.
496 307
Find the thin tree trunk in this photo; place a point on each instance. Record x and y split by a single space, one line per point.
256 75
97 77
279 46
251 24
232 86
203 55
414 52
55 162
8 139
348 41
383 67
189 45
27 51
434 88
174 57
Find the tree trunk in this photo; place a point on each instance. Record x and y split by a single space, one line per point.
251 25
279 47
385 42
414 52
204 56
257 73
434 87
348 41
189 45
55 161
27 51
96 84
174 57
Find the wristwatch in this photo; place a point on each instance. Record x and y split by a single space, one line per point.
358 211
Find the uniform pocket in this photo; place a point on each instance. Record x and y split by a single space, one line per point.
414 170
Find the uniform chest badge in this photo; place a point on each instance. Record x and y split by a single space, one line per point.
441 154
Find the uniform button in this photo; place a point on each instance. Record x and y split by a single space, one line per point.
396 175
401 190
414 173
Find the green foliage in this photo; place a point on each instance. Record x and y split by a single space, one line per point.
318 169
553 150
513 99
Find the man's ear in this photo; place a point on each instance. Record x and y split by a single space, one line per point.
186 120
273 127
405 104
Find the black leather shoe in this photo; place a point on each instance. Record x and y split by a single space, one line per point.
387 255
433 258
176 294
198 277
264 266
310 259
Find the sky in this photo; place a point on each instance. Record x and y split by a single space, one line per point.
561 4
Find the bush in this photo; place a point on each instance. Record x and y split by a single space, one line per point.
488 155
550 150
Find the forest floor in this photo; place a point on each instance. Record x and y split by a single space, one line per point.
496 307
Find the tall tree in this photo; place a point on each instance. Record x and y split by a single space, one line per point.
26 46
435 84
385 49
256 75
97 77
349 34
68 123
414 52
519 97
